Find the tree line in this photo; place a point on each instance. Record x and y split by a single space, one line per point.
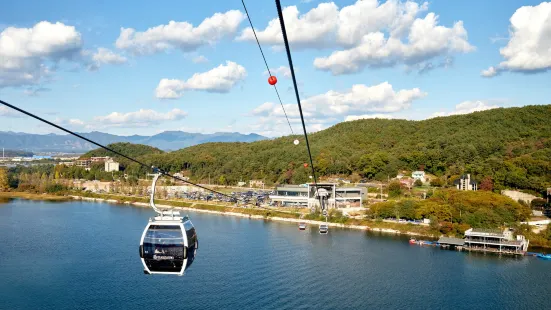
509 147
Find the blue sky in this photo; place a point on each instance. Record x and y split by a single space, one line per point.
353 60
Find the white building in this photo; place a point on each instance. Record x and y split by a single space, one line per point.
111 165
85 163
418 175
305 195
495 240
465 183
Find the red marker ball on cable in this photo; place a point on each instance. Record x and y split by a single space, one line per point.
272 80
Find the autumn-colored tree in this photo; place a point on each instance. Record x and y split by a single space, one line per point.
446 228
487 184
436 182
4 183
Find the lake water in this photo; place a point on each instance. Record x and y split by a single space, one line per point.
82 255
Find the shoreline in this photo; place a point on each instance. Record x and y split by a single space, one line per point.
259 217
32 196
222 210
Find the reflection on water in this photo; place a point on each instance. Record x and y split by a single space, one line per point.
84 255
4 200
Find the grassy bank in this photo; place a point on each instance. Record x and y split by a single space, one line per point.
33 196
191 205
267 214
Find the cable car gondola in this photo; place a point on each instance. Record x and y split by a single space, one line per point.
169 242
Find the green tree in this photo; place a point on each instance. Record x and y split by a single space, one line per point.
418 183
394 189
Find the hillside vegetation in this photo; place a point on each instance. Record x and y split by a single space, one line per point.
510 145
128 149
480 209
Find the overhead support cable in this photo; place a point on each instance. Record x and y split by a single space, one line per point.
289 58
153 168
111 150
267 67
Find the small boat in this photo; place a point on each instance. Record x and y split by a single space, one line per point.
324 229
412 241
302 226
545 256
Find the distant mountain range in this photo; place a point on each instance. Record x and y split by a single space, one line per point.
168 140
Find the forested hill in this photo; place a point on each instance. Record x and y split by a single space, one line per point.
511 145
128 149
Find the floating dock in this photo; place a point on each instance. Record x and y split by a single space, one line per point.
486 241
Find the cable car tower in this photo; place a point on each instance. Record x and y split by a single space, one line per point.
169 242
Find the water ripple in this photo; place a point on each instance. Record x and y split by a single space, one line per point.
80 255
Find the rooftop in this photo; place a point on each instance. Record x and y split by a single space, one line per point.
451 241
486 232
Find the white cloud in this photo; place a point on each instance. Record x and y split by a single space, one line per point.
72 123
283 71
426 40
34 92
350 118
529 46
313 29
274 126
490 72
75 122
140 118
106 56
371 33
180 35
467 107
362 99
7 112
218 80
264 108
200 59
330 107
365 17
26 52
